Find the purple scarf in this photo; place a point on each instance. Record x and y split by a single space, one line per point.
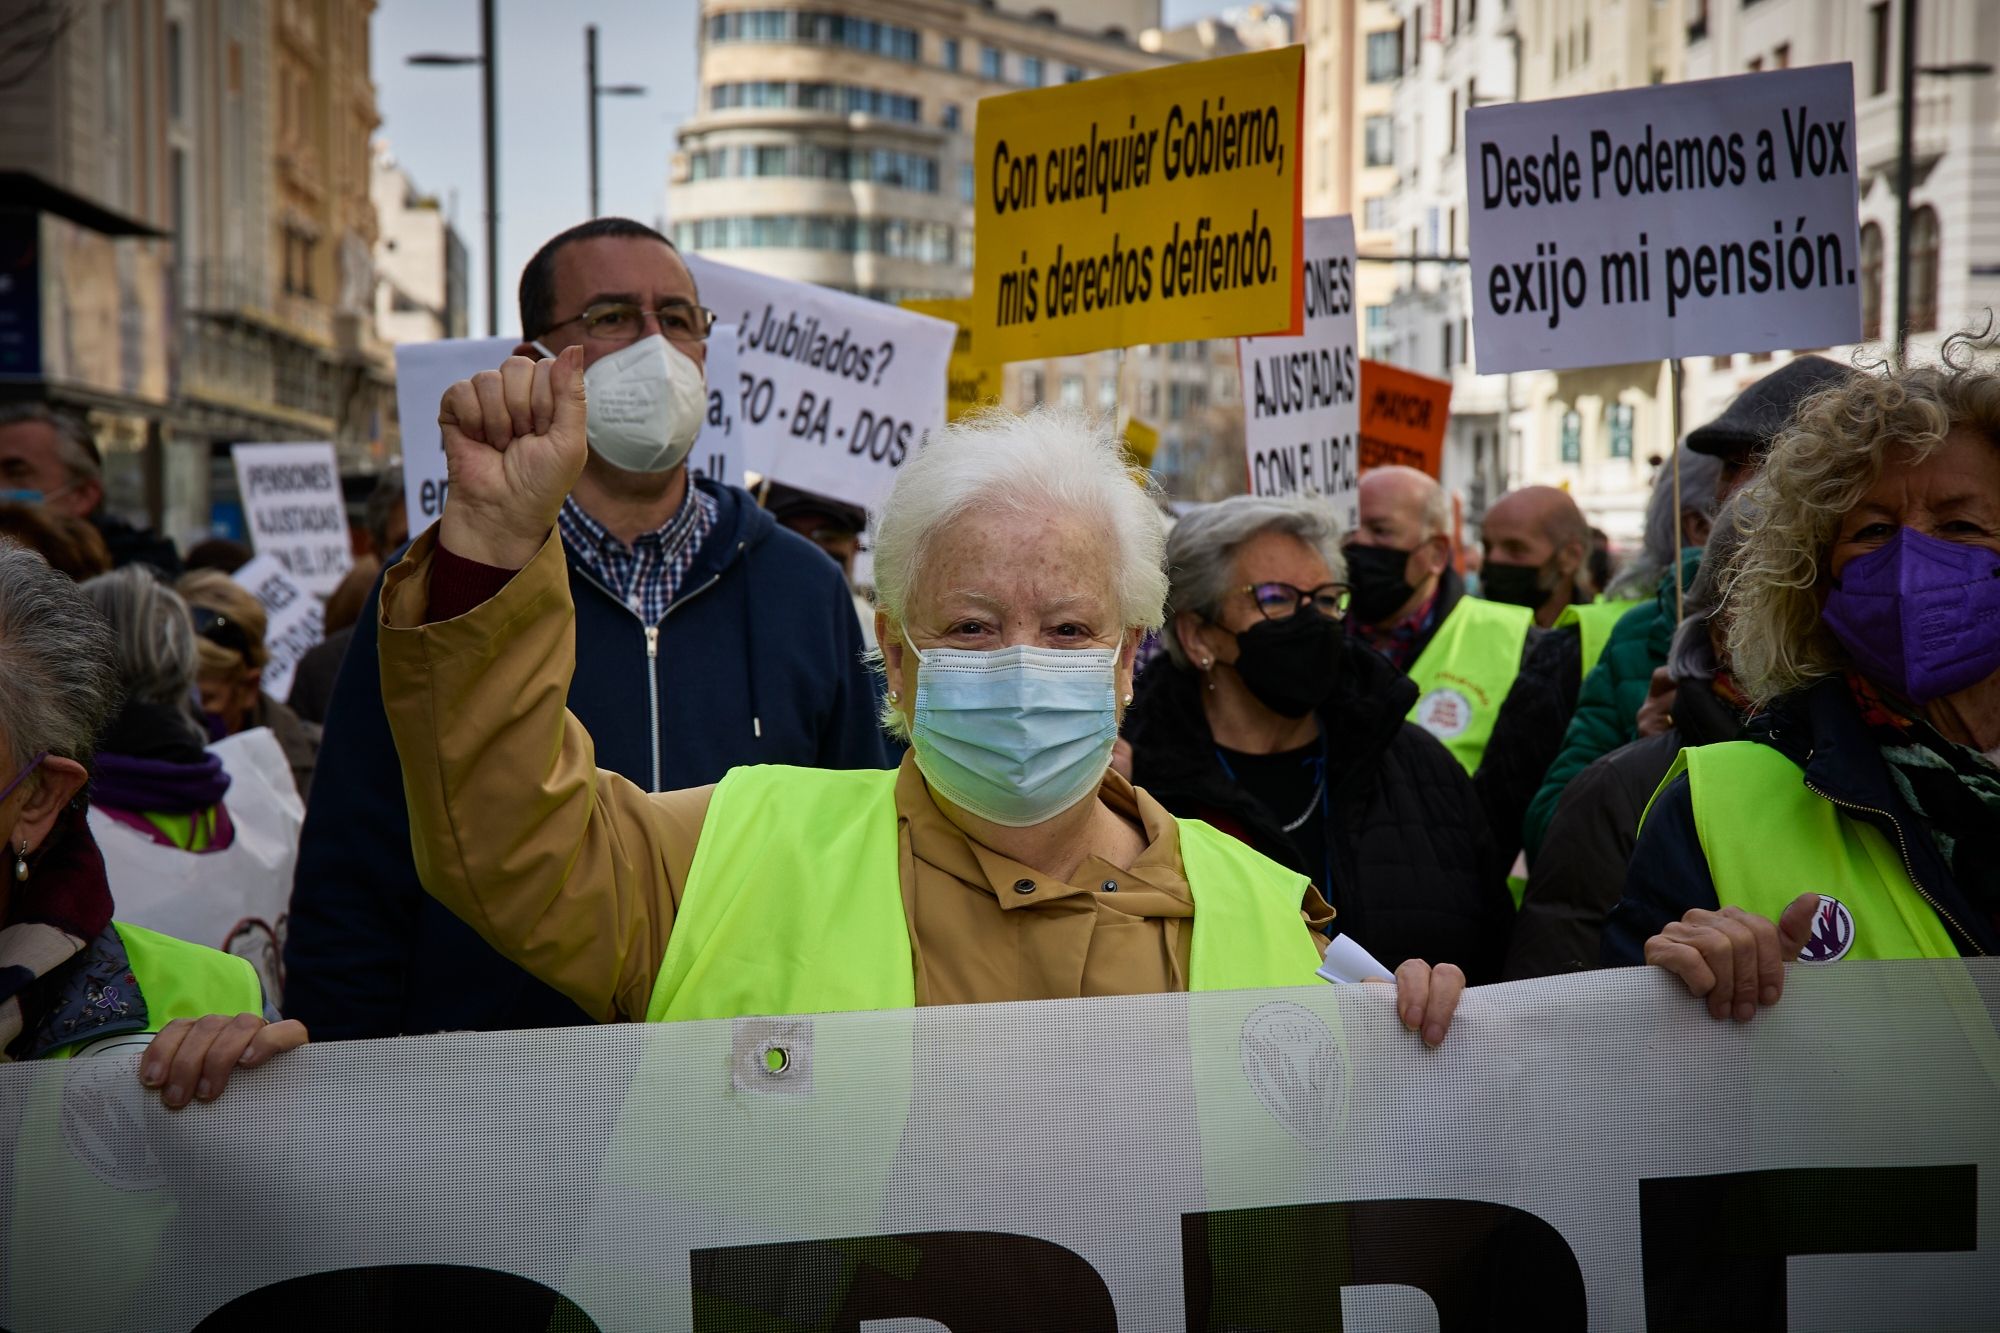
162 786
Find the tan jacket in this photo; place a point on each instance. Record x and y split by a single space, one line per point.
575 873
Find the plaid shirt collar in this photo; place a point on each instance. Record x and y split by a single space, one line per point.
647 575
1402 641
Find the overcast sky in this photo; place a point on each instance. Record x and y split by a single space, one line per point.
430 116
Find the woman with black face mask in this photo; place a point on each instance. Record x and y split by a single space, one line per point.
1268 721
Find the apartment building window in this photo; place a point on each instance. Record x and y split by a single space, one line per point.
949 117
948 53
1697 20
1781 58
1449 331
1378 322
1031 71
1618 420
1572 437
966 178
176 93
1031 385
838 97
1176 401
1878 66
1385 56
1072 391
1107 392
992 64
1586 40
1924 270
1379 137
1375 213
1152 398
1451 129
1871 282
895 238
786 25
1073 74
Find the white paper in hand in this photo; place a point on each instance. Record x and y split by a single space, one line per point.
1347 962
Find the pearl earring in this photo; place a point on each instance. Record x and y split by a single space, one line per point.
894 697
21 863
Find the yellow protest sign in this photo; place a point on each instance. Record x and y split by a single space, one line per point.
1161 206
970 382
1141 441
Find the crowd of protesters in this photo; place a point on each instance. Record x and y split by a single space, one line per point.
615 741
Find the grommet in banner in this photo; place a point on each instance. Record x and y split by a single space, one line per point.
771 1057
776 1060
1024 886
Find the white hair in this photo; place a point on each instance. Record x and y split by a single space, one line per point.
1201 551
1048 459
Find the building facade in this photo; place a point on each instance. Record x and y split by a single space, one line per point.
420 262
1354 58
1955 231
203 138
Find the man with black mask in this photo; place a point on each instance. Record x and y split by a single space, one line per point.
1536 543
1271 723
1408 604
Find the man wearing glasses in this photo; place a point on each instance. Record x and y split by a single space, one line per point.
707 636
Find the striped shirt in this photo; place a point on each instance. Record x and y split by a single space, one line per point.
647 574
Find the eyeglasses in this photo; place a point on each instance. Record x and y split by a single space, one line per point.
221 631
1278 601
622 322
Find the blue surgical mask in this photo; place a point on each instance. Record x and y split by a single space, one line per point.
1016 735
21 495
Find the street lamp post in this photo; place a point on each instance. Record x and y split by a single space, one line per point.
598 90
490 116
1906 154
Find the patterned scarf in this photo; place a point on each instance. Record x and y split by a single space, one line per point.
62 906
1952 788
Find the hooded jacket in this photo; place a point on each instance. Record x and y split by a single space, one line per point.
1820 729
1415 873
757 661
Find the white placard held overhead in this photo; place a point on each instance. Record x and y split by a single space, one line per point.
835 392
1689 218
423 372
1302 395
293 509
294 620
722 452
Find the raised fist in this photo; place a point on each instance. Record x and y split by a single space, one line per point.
514 442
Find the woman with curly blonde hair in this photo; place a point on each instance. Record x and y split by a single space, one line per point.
1862 817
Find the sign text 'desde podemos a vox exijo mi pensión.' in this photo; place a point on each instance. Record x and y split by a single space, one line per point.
1152 207
1691 218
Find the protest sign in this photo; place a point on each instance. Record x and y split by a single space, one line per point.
834 391
294 510
1708 217
1267 1159
1299 410
1141 441
1153 207
970 382
293 620
722 451
423 372
1403 416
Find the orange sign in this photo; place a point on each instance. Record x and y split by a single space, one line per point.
1402 418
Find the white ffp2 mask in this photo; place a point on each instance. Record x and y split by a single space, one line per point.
646 402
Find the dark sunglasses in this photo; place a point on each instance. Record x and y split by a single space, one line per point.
221 631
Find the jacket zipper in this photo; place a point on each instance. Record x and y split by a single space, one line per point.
652 633
1908 867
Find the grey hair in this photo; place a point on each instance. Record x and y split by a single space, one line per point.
1046 459
1692 654
1437 505
58 688
77 449
153 643
1201 550
1699 475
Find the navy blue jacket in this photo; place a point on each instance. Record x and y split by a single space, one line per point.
758 662
1820 729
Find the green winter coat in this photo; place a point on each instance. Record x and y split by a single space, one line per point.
1607 708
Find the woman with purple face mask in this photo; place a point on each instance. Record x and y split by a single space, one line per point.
1861 819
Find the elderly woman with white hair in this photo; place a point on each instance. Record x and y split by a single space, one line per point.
1864 623
1269 721
1018 563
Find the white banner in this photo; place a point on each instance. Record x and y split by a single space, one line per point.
1589 1151
722 452
294 510
294 620
1302 396
423 372
835 391
1688 218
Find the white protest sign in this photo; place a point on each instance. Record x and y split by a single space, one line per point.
1689 218
423 372
723 452
294 620
834 391
293 508
1302 395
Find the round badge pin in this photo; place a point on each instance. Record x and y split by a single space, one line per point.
1832 933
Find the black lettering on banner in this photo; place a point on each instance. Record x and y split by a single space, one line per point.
1280 1270
966 1281
402 1296
430 496
1715 1246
